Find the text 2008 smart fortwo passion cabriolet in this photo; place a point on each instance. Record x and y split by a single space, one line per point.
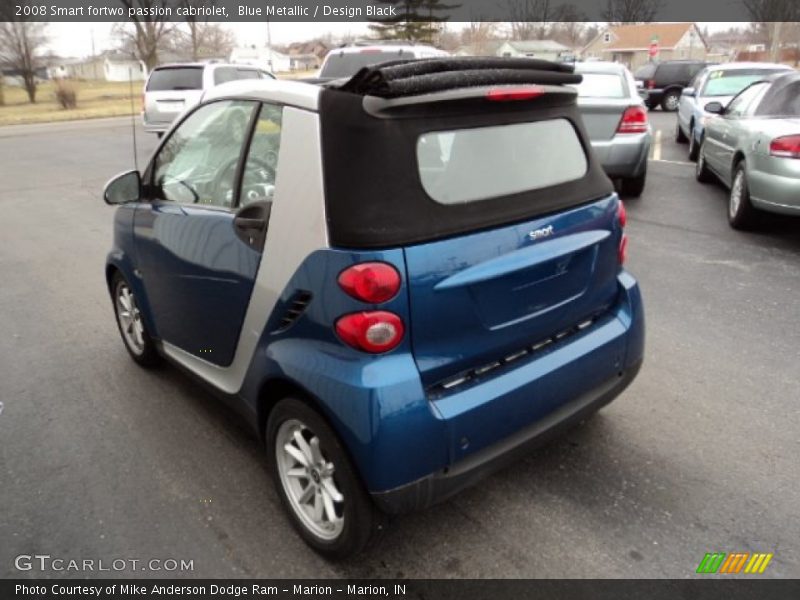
401 280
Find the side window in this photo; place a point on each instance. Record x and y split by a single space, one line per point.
740 104
258 180
224 75
198 163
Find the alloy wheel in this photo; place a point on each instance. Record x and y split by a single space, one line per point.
130 319
308 480
737 190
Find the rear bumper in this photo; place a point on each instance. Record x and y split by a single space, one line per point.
493 423
624 155
440 486
774 192
155 126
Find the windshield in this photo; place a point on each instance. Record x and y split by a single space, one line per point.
174 79
465 165
601 85
731 82
347 64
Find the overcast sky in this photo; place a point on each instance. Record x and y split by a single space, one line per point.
75 39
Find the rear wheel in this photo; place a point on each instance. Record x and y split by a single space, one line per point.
680 137
741 213
316 481
131 325
694 145
632 187
670 101
701 170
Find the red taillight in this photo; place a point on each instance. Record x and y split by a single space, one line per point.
651 84
622 214
509 94
372 282
785 147
634 120
623 249
375 331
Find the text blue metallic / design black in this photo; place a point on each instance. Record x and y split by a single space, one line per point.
421 286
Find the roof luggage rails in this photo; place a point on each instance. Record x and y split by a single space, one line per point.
413 77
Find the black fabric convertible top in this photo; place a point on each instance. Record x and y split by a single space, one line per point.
374 194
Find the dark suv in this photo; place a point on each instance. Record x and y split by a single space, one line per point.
663 82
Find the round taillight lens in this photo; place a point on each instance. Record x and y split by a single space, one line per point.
622 214
374 331
372 282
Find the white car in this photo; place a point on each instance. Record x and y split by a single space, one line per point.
346 61
171 89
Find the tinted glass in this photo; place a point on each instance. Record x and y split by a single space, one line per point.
347 64
226 74
465 165
174 79
731 82
744 101
197 164
601 85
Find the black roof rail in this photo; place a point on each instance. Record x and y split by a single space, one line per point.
412 77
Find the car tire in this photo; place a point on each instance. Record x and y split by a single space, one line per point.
669 103
632 187
132 327
701 171
680 137
741 213
694 145
328 472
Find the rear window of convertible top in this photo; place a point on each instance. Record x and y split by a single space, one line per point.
466 165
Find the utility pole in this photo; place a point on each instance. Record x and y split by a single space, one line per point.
269 48
775 49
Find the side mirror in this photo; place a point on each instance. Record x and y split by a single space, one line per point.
715 108
689 91
125 187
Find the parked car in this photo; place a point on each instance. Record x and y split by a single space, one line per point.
664 81
753 148
427 281
617 123
171 89
718 83
345 62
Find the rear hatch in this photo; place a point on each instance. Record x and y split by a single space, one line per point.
170 90
508 224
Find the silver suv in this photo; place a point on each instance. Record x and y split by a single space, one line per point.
171 89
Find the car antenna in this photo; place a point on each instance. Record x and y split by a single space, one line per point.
133 118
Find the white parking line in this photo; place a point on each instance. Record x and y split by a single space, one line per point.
657 146
673 162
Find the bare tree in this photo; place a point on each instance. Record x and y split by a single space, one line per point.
478 34
21 43
144 36
630 12
771 19
202 39
531 19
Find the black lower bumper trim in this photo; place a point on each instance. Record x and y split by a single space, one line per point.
441 485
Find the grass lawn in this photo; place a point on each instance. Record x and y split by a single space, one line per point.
95 99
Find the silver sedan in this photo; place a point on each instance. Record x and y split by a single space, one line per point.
753 148
617 123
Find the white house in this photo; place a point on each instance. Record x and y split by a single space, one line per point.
266 58
108 67
544 49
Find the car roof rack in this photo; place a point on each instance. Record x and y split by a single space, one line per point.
413 77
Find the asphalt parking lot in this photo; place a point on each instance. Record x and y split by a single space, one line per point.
101 459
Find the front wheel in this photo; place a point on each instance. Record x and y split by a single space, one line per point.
131 325
316 481
701 171
741 213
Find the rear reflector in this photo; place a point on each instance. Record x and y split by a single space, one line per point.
785 147
375 331
372 282
651 84
511 94
634 120
622 214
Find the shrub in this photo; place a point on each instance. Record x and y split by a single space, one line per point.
66 95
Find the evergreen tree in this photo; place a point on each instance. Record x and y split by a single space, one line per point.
415 20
